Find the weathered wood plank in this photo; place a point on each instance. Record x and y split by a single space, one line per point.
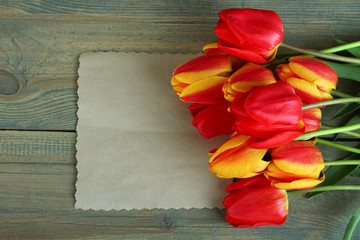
37 196
41 42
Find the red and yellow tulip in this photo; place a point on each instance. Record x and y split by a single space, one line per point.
250 34
270 113
235 159
200 80
296 165
312 119
253 202
248 76
312 78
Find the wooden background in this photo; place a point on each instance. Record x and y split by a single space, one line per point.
40 42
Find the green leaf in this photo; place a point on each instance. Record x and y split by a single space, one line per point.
347 109
346 71
354 220
354 51
351 121
356 173
335 174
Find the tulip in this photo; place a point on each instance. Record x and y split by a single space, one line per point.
200 80
312 119
250 34
296 165
312 78
253 202
213 119
272 114
235 159
245 78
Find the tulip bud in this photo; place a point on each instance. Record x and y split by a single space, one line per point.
270 113
312 79
312 119
250 34
234 159
253 202
200 80
296 165
248 76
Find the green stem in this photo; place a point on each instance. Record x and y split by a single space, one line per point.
342 162
328 131
354 220
354 134
332 102
340 146
323 55
341 47
340 94
327 188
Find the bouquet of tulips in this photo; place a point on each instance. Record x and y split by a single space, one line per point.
271 107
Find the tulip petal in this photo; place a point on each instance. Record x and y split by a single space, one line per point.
178 86
314 70
202 67
276 140
207 90
235 159
300 157
312 119
251 75
214 120
233 142
307 91
245 54
196 108
300 184
274 104
239 162
258 181
208 46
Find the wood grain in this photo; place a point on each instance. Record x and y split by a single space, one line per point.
37 196
40 45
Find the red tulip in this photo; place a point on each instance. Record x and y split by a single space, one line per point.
253 202
296 165
312 78
250 34
213 119
270 113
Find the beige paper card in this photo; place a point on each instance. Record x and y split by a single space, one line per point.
136 147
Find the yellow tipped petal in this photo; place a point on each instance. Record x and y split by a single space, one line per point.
307 91
314 70
203 67
300 184
235 159
234 141
241 162
251 75
207 90
210 45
